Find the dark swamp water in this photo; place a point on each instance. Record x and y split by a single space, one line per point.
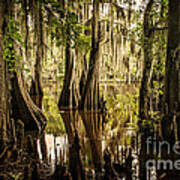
93 145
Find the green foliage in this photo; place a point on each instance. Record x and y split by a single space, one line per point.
12 36
55 123
153 122
164 8
17 176
67 30
83 42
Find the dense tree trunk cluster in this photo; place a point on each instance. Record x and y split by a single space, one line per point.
81 87
17 107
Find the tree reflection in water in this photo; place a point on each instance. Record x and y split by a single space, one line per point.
88 139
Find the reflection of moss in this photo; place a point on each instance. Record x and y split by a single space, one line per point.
87 152
55 126
55 123
122 107
128 140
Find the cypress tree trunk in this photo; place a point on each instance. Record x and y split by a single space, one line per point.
145 84
3 79
69 97
172 87
90 96
36 91
172 84
24 108
148 62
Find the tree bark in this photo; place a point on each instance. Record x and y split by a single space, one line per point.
3 97
148 62
172 82
145 85
90 96
36 91
69 97
172 87
24 108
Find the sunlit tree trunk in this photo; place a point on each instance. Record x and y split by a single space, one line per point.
3 79
69 97
148 62
90 96
36 91
26 38
84 71
145 85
